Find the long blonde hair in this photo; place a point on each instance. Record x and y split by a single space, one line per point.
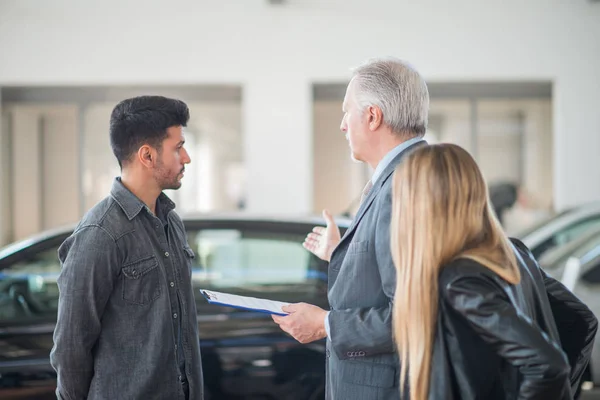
441 212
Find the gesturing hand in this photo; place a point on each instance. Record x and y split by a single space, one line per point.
322 241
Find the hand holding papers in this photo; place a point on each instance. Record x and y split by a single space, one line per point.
244 302
305 322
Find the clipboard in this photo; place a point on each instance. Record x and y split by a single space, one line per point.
245 302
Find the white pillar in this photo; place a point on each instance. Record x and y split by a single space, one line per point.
26 170
576 141
277 131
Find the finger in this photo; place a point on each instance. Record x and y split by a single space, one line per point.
309 247
314 236
319 229
311 240
312 243
289 308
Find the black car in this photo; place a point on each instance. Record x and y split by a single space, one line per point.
245 355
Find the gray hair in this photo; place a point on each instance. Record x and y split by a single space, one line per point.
398 90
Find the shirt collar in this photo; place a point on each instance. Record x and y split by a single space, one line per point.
132 205
385 161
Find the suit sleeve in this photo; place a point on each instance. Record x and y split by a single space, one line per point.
514 337
367 332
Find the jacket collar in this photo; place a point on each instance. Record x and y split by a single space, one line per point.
385 175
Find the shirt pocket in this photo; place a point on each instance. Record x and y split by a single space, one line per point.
141 281
189 252
188 262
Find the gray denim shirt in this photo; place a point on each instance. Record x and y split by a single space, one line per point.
126 298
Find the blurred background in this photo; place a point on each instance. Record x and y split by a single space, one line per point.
517 83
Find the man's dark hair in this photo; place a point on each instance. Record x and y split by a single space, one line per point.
144 120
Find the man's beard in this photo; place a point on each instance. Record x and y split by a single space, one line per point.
163 178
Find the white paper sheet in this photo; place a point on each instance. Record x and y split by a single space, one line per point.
244 302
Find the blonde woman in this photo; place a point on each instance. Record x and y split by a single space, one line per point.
472 318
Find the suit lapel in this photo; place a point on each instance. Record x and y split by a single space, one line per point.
385 175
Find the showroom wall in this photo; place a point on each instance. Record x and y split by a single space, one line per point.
276 52
44 153
57 162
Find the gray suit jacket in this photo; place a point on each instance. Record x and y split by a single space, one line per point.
361 360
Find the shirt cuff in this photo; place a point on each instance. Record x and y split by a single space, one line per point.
327 325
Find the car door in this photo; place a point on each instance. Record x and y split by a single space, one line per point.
245 353
28 305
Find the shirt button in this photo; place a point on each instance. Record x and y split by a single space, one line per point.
166 254
175 315
172 284
156 226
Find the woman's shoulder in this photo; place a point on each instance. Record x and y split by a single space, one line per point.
462 267
466 272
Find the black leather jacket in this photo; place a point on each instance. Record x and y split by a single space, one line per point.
500 341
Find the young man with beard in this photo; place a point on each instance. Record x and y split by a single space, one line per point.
127 325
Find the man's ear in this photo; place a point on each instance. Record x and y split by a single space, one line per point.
147 156
375 117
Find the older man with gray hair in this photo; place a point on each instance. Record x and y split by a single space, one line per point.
385 117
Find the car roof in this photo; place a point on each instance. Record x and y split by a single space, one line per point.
190 218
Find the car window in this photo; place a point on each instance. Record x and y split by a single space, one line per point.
28 288
576 230
255 261
266 263
566 235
